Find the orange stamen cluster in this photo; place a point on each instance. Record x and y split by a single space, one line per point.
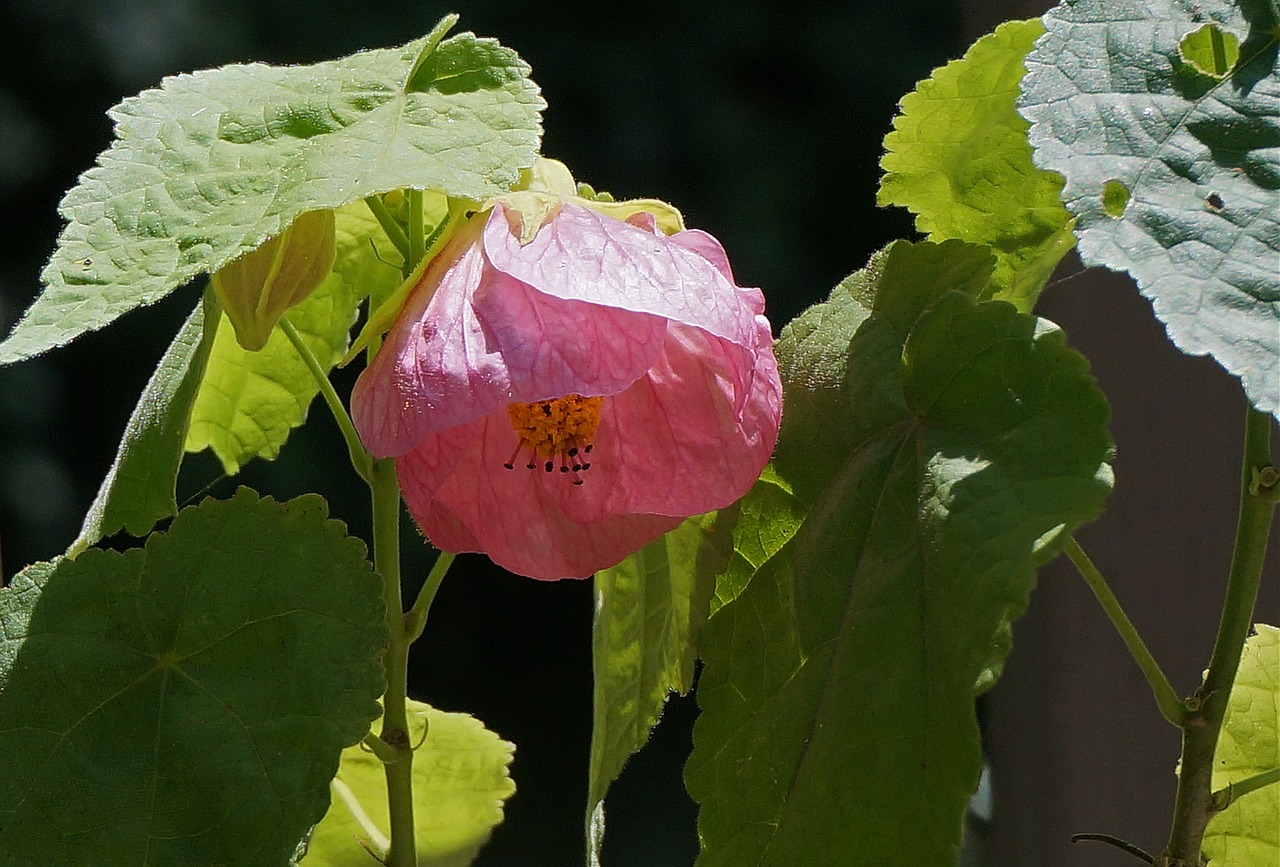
556 430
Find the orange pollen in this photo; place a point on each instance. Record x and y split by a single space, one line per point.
555 432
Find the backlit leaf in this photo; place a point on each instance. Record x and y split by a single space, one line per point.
460 781
958 158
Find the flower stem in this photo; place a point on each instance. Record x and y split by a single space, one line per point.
1205 710
387 221
416 620
395 664
1166 698
359 457
417 232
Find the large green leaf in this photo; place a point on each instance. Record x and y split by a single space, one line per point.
958 158
1248 832
942 447
186 702
460 781
1172 172
649 610
141 486
211 164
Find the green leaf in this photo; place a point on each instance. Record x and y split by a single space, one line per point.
186 702
209 165
941 447
1248 831
460 781
649 610
1118 107
762 522
958 158
250 401
141 486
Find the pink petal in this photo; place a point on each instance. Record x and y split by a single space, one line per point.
482 340
582 254
511 515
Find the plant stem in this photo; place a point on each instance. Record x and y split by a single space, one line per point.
1166 698
1193 806
395 664
387 221
416 620
359 457
417 232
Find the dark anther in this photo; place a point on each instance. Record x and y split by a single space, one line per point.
530 466
564 469
577 467
587 448
549 466
577 481
586 466
573 452
509 465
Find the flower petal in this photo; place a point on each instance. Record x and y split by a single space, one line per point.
465 500
472 339
584 255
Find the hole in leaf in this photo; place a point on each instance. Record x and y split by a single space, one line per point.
1214 202
1210 50
1115 198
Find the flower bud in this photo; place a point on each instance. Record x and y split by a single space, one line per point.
259 286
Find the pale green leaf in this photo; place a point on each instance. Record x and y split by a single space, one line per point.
211 164
649 610
1248 831
1173 174
250 401
460 781
186 702
939 448
958 158
141 486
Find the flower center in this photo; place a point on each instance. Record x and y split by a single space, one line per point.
559 429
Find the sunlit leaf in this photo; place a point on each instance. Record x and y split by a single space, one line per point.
211 164
1173 174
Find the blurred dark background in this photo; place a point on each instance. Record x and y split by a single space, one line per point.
761 120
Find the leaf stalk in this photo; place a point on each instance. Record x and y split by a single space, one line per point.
1167 699
360 458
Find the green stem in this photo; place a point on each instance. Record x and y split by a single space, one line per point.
395 234
1193 806
1232 792
417 232
395 665
416 620
359 457
1166 698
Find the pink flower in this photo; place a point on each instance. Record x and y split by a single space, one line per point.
559 404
